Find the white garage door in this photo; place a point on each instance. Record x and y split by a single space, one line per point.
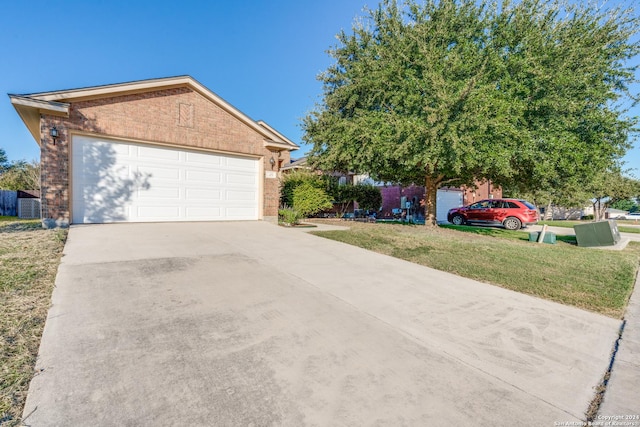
447 199
130 182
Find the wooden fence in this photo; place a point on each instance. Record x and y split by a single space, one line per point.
8 203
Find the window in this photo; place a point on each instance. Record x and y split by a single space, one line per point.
527 204
480 205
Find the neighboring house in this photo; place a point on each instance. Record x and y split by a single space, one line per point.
614 213
559 212
302 164
297 164
164 149
396 198
412 198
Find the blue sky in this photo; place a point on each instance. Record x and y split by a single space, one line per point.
261 56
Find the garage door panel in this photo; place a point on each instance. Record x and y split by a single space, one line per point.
114 174
447 199
159 192
157 212
157 172
197 194
203 212
203 176
131 182
110 149
241 195
203 159
236 178
149 153
238 163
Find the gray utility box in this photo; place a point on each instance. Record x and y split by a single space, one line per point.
601 233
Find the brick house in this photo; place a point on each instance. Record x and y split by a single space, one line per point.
447 197
164 149
396 197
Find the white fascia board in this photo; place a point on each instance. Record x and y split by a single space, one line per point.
56 108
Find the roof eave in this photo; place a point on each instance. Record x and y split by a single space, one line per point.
57 103
30 111
280 136
279 146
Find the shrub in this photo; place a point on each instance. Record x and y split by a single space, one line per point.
289 216
309 200
290 181
368 197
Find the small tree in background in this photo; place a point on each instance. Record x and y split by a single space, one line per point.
629 205
608 187
4 160
343 196
20 175
368 197
309 200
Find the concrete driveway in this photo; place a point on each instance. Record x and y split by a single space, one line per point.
250 324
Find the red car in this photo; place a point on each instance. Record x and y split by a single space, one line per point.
512 214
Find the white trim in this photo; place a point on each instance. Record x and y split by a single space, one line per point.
57 98
45 106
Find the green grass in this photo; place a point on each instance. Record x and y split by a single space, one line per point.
29 258
504 234
8 219
570 224
591 279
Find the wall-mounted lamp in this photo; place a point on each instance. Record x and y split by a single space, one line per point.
272 162
54 134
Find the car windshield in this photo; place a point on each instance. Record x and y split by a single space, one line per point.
527 204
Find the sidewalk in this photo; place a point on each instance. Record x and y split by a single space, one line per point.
622 397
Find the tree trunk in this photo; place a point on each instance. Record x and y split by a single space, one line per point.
548 213
599 210
431 196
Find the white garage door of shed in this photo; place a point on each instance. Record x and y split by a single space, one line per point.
130 182
447 199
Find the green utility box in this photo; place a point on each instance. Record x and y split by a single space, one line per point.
549 237
600 233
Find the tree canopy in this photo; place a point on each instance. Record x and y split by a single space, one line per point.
18 174
445 92
4 160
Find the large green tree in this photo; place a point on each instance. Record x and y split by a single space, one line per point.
444 92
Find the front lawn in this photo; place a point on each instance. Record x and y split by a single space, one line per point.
592 279
29 258
570 224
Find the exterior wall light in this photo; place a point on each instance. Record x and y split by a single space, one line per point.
272 162
54 134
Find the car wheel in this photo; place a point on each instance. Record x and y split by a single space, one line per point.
512 223
457 220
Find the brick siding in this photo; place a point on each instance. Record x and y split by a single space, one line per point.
391 195
178 116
